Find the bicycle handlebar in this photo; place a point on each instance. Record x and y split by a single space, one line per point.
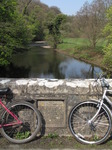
103 81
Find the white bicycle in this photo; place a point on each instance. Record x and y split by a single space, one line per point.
90 121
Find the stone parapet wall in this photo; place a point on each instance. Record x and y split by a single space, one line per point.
54 98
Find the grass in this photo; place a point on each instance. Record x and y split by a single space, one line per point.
80 43
57 143
22 135
69 43
80 48
53 135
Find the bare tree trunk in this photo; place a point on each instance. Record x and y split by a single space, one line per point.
26 6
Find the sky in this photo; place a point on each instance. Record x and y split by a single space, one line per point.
69 7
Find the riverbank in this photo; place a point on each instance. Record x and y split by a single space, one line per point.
80 49
96 60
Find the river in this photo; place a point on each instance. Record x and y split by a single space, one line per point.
39 62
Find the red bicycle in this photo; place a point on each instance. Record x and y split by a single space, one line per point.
20 121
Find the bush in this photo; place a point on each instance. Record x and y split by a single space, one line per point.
108 56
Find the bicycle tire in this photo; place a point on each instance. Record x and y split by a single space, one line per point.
84 132
31 123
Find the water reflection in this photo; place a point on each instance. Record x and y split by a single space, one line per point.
46 63
72 68
13 71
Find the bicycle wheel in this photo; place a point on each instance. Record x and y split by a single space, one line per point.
86 132
31 123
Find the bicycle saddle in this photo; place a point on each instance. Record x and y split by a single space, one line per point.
4 91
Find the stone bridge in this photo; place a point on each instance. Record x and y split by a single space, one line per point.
54 98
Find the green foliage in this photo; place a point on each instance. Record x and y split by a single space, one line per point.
108 28
12 37
108 56
14 33
108 48
34 24
53 135
54 29
22 135
7 10
7 16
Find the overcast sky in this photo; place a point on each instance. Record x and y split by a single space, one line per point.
69 7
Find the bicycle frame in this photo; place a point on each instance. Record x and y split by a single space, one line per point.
104 97
17 121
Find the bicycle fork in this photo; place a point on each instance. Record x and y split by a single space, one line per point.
95 116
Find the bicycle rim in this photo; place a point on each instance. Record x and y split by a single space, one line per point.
31 123
86 132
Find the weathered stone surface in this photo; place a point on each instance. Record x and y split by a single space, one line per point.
54 98
58 111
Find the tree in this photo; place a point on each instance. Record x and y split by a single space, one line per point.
35 23
26 6
108 32
37 15
14 33
91 19
7 9
6 17
55 9
54 29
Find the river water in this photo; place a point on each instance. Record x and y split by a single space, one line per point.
39 62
